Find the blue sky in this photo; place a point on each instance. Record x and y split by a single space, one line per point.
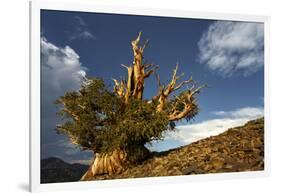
228 56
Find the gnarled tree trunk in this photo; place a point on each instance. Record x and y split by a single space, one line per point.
106 164
113 162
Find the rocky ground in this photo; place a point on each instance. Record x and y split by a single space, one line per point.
237 149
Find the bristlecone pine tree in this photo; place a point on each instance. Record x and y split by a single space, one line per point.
117 124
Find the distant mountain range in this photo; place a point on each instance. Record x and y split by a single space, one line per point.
55 170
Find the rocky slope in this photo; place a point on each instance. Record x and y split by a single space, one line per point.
55 170
237 149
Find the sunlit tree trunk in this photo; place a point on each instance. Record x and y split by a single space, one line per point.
131 88
109 163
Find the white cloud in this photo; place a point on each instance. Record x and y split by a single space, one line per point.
246 112
85 34
228 47
80 21
81 30
61 69
225 119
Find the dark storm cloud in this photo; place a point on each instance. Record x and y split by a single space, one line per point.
61 71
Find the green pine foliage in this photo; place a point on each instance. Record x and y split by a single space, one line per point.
95 118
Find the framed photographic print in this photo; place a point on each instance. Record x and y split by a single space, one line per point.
127 95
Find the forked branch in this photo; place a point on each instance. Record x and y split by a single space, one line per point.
182 106
173 85
185 105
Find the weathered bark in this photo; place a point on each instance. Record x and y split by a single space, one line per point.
187 99
109 163
116 161
190 106
165 91
137 73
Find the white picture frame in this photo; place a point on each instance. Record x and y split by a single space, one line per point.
86 6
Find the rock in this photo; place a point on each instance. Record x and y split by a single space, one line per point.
228 166
217 164
188 170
